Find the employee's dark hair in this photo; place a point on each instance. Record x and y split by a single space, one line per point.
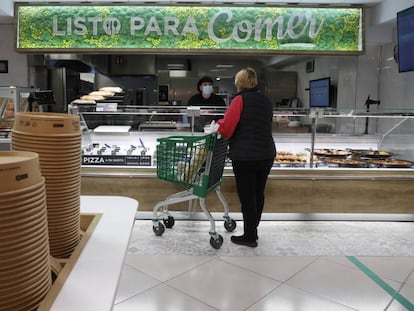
202 80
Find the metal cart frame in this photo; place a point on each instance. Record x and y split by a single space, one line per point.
196 162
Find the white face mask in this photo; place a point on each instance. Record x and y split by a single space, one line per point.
207 90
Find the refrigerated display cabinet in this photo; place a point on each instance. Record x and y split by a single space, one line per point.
12 99
340 162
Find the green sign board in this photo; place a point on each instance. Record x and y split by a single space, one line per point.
82 27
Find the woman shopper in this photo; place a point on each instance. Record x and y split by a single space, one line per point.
247 123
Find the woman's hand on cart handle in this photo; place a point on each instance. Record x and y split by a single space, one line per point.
213 127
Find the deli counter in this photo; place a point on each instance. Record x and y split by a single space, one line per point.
328 162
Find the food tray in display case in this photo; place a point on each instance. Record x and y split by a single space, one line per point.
352 163
331 152
391 163
372 154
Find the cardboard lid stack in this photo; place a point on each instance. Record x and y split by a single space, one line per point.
25 273
56 137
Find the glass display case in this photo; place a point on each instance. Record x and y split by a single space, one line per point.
12 99
310 139
340 162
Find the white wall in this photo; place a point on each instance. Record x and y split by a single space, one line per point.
18 72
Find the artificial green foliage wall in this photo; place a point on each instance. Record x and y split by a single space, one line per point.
191 28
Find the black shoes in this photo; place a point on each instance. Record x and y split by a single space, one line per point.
241 240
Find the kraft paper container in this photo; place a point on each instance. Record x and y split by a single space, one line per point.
62 187
60 153
11 240
21 219
12 195
14 204
18 170
71 154
71 201
46 124
23 255
25 276
49 141
24 285
56 178
30 297
24 210
18 273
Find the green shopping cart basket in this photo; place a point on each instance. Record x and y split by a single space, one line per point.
196 162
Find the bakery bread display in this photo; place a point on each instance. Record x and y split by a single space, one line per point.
290 159
92 97
332 152
113 89
83 101
108 93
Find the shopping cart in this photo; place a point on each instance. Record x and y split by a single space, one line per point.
196 162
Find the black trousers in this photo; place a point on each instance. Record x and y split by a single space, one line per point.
251 177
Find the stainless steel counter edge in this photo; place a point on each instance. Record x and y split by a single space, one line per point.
275 174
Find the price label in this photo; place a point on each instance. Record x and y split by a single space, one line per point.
142 160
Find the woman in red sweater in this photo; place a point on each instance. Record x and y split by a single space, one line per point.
247 123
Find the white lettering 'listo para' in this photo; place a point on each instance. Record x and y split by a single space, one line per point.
110 26
152 26
170 24
190 26
295 27
136 23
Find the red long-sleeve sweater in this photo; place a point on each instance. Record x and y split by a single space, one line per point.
231 117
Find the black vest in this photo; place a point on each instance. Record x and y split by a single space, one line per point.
252 138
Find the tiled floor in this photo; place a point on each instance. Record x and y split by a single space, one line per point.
297 266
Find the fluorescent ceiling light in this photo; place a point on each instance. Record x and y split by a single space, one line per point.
178 73
224 66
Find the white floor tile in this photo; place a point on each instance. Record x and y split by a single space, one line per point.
286 298
297 266
340 261
341 284
224 286
133 282
164 267
276 267
392 268
410 280
406 292
162 298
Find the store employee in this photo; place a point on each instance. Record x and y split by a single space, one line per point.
205 95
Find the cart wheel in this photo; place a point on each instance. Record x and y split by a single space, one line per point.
216 242
169 222
230 225
158 229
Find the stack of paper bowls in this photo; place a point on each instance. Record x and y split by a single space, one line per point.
56 137
25 274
